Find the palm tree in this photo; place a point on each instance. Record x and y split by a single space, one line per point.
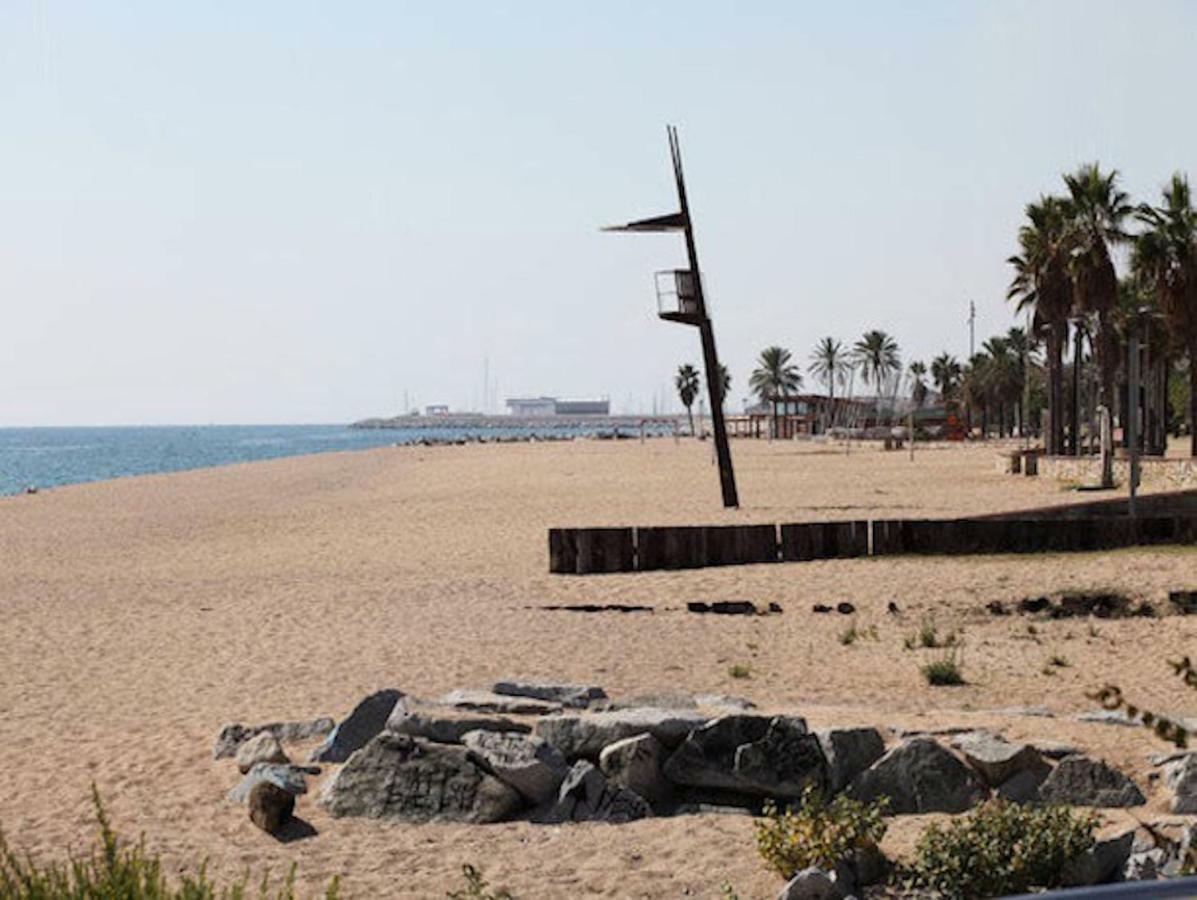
1001 378
1099 209
686 382
1165 257
945 372
725 383
1022 348
918 384
775 377
830 363
877 355
1042 283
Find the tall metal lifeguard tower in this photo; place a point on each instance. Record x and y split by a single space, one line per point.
680 299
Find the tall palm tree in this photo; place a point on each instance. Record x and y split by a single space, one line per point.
725 383
877 355
945 373
1043 284
1165 257
830 363
775 377
1001 378
686 382
918 384
1022 348
1099 209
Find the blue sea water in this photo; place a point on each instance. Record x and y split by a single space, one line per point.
49 457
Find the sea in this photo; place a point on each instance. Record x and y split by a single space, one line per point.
50 457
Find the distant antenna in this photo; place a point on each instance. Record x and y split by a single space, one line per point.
972 329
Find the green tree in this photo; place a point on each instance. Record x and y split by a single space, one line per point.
725 383
918 382
686 382
775 376
946 373
877 355
1165 258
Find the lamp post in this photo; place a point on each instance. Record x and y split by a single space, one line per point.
686 304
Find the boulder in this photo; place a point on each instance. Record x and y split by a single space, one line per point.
488 702
574 695
585 736
270 807
1146 865
1023 787
998 760
400 778
290 778
761 755
234 735
368 718
447 726
528 764
1102 862
586 796
263 747
811 884
635 763
849 751
1180 776
920 776
1081 781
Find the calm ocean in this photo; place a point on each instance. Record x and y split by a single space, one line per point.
47 457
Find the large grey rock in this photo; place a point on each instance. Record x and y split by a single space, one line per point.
368 718
261 748
920 776
574 695
758 755
528 764
586 796
488 702
289 778
1180 776
997 760
585 736
1146 865
811 884
400 778
1081 781
636 763
234 735
446 726
849 751
1103 862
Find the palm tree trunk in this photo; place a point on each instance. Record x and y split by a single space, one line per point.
1055 390
1193 396
690 416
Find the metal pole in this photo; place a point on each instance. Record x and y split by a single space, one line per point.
710 358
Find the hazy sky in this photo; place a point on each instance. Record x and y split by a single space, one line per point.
295 212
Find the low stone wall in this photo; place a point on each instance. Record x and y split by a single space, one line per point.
1171 473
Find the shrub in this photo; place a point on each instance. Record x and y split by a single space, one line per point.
944 671
1058 661
476 887
817 833
928 637
740 670
999 849
128 872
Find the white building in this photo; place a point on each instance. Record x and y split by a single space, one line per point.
531 407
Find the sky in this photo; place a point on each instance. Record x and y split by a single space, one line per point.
271 212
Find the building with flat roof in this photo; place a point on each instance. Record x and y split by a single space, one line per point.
550 406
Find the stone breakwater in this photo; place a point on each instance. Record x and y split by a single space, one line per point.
537 424
558 753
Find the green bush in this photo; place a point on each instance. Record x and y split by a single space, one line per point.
818 833
944 671
1001 848
118 871
740 670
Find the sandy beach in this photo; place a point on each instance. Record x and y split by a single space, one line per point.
140 615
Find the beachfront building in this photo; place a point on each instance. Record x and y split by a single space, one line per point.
537 407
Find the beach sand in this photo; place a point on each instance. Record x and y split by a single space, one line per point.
140 615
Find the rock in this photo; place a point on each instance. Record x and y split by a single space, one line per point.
1081 781
528 764
446 726
263 747
1055 749
1038 712
585 736
849 751
563 693
1145 865
997 608
1033 604
485 701
996 759
724 701
919 776
1181 778
811 884
368 718
289 778
820 608
892 609
233 736
1108 717
636 763
726 608
663 700
1102 862
586 796
1023 786
762 755
845 609
270 807
401 778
